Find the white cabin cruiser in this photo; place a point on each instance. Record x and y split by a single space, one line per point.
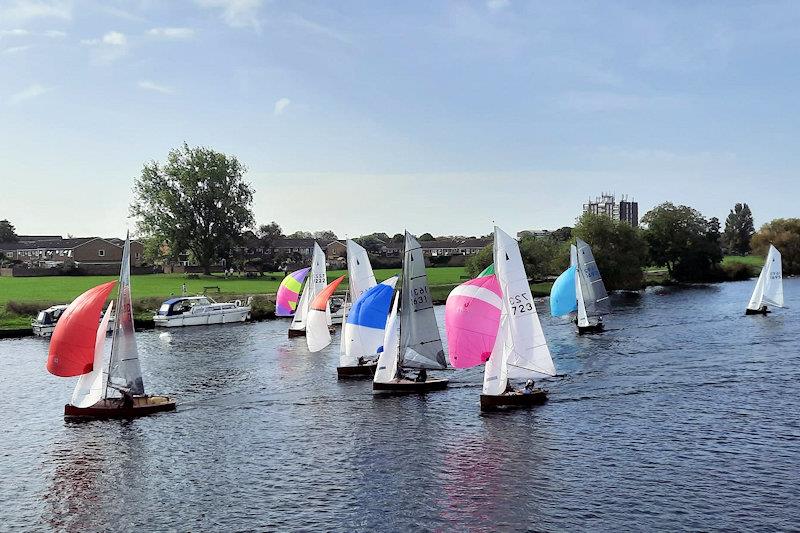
200 311
45 322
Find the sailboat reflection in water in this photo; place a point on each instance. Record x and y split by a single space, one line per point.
115 389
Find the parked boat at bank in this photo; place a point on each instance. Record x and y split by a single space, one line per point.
115 389
45 322
769 287
412 339
200 311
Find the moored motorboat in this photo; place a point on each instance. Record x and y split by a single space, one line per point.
46 320
115 389
769 287
200 311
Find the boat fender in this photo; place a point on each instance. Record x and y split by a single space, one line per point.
238 303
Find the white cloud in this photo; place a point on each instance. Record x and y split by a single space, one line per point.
16 49
236 13
55 34
152 86
171 33
115 38
25 10
15 32
496 5
281 105
28 93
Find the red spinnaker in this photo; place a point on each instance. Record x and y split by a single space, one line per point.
73 341
320 302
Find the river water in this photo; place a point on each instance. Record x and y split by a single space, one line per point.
683 415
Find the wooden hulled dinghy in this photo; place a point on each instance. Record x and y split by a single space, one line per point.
115 389
769 287
365 370
513 399
116 408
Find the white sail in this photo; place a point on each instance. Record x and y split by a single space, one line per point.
359 270
769 287
342 343
521 348
316 281
583 319
388 359
89 389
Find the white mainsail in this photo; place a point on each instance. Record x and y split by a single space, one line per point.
316 281
593 301
520 350
89 389
420 340
359 270
769 287
123 368
388 359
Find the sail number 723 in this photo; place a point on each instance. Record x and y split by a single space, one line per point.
520 304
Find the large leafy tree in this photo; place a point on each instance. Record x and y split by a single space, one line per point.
739 230
784 234
7 232
619 249
681 239
197 200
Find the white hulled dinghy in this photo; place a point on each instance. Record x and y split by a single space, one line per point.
315 283
115 390
769 287
520 349
412 340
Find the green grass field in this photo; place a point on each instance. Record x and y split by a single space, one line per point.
750 260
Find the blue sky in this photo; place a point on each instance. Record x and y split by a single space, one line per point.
437 116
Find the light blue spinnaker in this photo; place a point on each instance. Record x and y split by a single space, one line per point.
563 299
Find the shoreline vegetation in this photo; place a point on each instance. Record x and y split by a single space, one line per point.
22 298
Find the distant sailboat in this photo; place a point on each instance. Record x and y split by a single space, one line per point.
289 293
318 333
115 390
769 287
580 289
520 350
364 330
417 343
315 284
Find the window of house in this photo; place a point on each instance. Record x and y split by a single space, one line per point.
101 253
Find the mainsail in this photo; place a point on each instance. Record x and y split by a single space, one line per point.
364 328
315 283
318 336
595 297
520 350
388 359
124 370
472 317
359 270
289 291
420 341
769 287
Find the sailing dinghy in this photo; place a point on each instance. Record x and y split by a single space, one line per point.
289 293
520 349
318 333
580 289
115 389
412 340
364 330
316 283
769 287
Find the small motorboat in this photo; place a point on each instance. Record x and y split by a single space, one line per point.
45 322
200 311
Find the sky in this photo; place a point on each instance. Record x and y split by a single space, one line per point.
431 116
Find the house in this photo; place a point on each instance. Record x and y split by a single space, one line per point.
83 250
440 247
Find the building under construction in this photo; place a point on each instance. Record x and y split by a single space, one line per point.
606 204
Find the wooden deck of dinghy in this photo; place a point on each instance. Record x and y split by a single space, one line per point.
367 370
513 399
411 386
114 408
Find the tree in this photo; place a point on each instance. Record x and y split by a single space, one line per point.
739 230
476 263
7 232
619 249
196 201
398 237
562 234
268 233
542 256
370 243
784 234
427 237
681 239
325 235
301 235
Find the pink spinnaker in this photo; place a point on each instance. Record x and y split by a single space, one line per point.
472 318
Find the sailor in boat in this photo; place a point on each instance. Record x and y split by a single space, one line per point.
529 387
127 397
422 376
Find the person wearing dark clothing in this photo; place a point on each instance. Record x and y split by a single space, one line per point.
422 377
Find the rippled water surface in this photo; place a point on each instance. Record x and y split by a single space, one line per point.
683 415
